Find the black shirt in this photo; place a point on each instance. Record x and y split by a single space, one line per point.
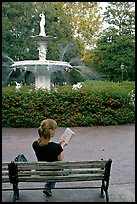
48 152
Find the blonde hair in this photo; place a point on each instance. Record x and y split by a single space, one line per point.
46 126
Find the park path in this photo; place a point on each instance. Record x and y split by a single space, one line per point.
89 143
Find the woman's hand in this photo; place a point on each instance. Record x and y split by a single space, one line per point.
63 143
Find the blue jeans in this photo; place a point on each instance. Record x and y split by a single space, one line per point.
50 184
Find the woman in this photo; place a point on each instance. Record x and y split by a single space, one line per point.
46 150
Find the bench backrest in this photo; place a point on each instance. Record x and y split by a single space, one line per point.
56 171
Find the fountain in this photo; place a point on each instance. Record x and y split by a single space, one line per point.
42 68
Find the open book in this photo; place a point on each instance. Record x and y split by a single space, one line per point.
67 135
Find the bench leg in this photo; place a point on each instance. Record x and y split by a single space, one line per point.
15 192
102 190
102 194
107 196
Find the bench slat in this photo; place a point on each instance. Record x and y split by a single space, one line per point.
5 179
5 173
58 167
60 178
62 164
64 172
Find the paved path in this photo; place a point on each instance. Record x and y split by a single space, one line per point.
90 143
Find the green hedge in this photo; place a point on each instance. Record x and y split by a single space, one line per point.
95 104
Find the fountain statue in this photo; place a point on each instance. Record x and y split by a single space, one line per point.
42 24
42 68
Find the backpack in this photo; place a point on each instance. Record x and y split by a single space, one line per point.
20 158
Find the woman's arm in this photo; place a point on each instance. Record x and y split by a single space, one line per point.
61 155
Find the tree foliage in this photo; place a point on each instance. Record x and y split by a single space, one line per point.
116 45
17 20
20 21
86 23
121 15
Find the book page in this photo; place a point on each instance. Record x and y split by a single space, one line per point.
67 135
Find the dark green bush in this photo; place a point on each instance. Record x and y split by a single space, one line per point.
96 103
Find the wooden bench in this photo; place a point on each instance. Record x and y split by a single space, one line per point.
60 171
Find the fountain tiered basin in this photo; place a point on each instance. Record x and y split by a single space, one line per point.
42 68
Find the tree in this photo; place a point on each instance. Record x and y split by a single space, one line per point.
86 23
117 44
121 15
20 20
17 21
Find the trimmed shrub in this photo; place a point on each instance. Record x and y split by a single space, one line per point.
96 103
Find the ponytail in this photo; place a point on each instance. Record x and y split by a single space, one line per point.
45 127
